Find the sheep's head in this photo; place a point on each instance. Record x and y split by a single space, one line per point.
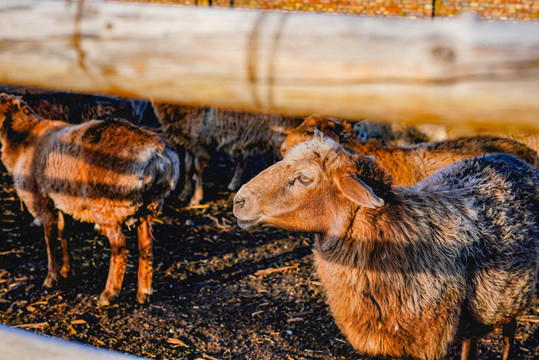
305 131
313 189
8 104
368 130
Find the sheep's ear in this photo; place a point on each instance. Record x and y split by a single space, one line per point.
16 103
329 130
334 121
318 135
279 129
358 192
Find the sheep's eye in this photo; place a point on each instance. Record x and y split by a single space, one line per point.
304 180
363 135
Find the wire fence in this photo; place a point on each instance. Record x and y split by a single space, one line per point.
505 10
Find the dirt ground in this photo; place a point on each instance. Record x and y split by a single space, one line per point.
219 292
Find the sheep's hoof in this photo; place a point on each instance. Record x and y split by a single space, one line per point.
105 298
184 195
194 202
66 272
50 281
142 298
233 186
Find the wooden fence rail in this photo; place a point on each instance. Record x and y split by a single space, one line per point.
463 73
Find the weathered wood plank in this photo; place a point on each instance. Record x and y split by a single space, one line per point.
463 73
25 345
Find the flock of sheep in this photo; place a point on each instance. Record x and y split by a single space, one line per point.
417 245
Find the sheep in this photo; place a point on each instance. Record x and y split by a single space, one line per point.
73 108
340 131
362 131
410 164
201 130
107 173
398 134
529 139
408 270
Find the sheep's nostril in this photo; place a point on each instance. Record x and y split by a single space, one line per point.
239 203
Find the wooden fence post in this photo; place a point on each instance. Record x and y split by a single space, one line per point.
462 73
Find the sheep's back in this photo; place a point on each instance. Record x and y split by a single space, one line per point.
73 108
101 171
203 129
183 124
242 133
503 194
478 145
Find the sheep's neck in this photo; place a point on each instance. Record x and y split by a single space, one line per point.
371 257
18 131
379 275
401 163
366 235
388 247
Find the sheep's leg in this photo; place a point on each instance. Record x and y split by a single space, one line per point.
43 212
118 262
66 256
188 185
469 349
50 230
509 331
138 109
200 164
145 260
238 173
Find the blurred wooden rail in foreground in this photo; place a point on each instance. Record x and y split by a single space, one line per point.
460 73
24 345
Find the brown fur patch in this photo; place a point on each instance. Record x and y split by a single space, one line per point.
103 172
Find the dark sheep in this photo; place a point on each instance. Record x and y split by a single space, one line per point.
202 130
72 107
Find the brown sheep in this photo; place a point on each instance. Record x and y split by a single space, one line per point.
408 270
202 130
107 173
410 164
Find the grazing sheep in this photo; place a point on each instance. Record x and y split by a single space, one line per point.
408 270
410 164
203 130
108 173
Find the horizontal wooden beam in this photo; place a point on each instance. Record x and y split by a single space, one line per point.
460 73
25 345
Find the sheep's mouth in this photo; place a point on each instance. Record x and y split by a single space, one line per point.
249 224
